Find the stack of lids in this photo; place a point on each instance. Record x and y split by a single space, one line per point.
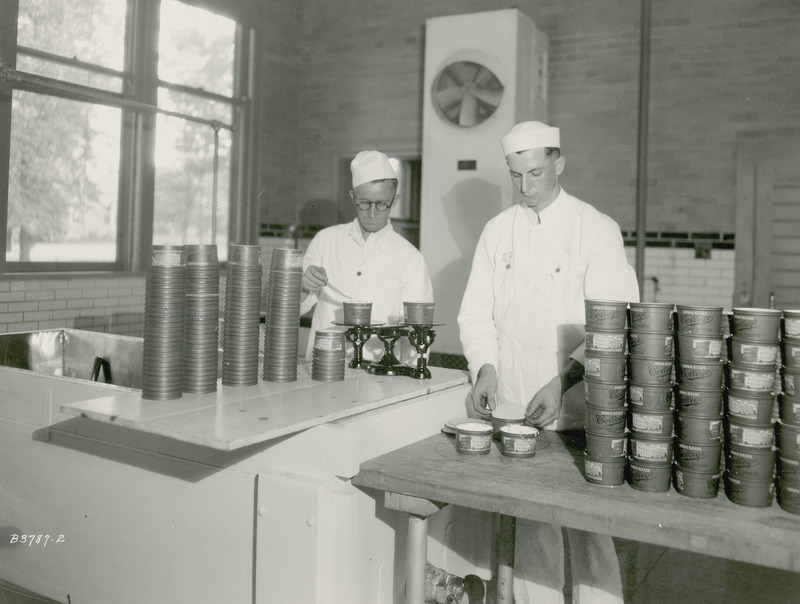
163 323
283 315
242 316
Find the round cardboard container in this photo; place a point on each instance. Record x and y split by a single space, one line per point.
751 378
473 438
789 497
653 423
702 485
604 447
699 348
789 440
750 464
748 492
602 394
651 372
694 375
791 354
789 407
648 449
652 398
743 352
744 435
651 345
605 314
699 320
518 441
757 325
750 407
357 313
698 458
791 381
605 421
418 313
699 403
788 469
699 430
651 477
651 316
791 325
604 472
604 368
606 342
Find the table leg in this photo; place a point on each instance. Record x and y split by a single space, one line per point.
417 558
505 562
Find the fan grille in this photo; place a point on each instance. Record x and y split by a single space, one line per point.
466 93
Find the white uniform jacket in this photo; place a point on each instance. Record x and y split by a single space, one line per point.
385 270
523 308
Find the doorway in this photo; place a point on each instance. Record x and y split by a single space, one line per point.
768 221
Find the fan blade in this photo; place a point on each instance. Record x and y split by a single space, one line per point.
468 116
449 96
490 97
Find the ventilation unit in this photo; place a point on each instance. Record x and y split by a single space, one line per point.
484 72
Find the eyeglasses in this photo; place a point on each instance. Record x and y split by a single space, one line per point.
381 206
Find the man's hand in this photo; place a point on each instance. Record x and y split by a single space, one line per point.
483 395
545 406
314 279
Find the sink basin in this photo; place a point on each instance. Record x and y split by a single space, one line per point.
74 353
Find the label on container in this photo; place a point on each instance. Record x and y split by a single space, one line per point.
754 353
788 383
607 342
715 428
791 328
518 445
742 407
474 442
646 422
752 380
593 469
650 451
707 348
793 353
752 437
323 343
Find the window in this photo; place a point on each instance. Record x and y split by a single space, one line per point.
122 132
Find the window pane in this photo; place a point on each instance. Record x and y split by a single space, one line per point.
88 30
64 178
189 104
196 48
66 73
184 189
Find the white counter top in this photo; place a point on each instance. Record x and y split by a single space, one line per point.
235 417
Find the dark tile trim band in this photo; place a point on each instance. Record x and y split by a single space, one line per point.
717 241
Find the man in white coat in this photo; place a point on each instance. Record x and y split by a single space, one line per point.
365 259
521 324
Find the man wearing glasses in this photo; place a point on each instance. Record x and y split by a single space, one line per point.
365 259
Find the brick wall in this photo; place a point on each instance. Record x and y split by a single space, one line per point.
676 276
718 68
110 304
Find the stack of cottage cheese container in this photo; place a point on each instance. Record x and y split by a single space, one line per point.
651 394
605 388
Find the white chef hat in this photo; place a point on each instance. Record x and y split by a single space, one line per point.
530 135
370 165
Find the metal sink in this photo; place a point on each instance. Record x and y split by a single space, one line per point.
86 355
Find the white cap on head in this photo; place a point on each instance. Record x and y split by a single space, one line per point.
370 165
530 135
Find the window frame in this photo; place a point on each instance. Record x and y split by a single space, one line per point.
138 105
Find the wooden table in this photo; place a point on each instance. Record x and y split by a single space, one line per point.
424 476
